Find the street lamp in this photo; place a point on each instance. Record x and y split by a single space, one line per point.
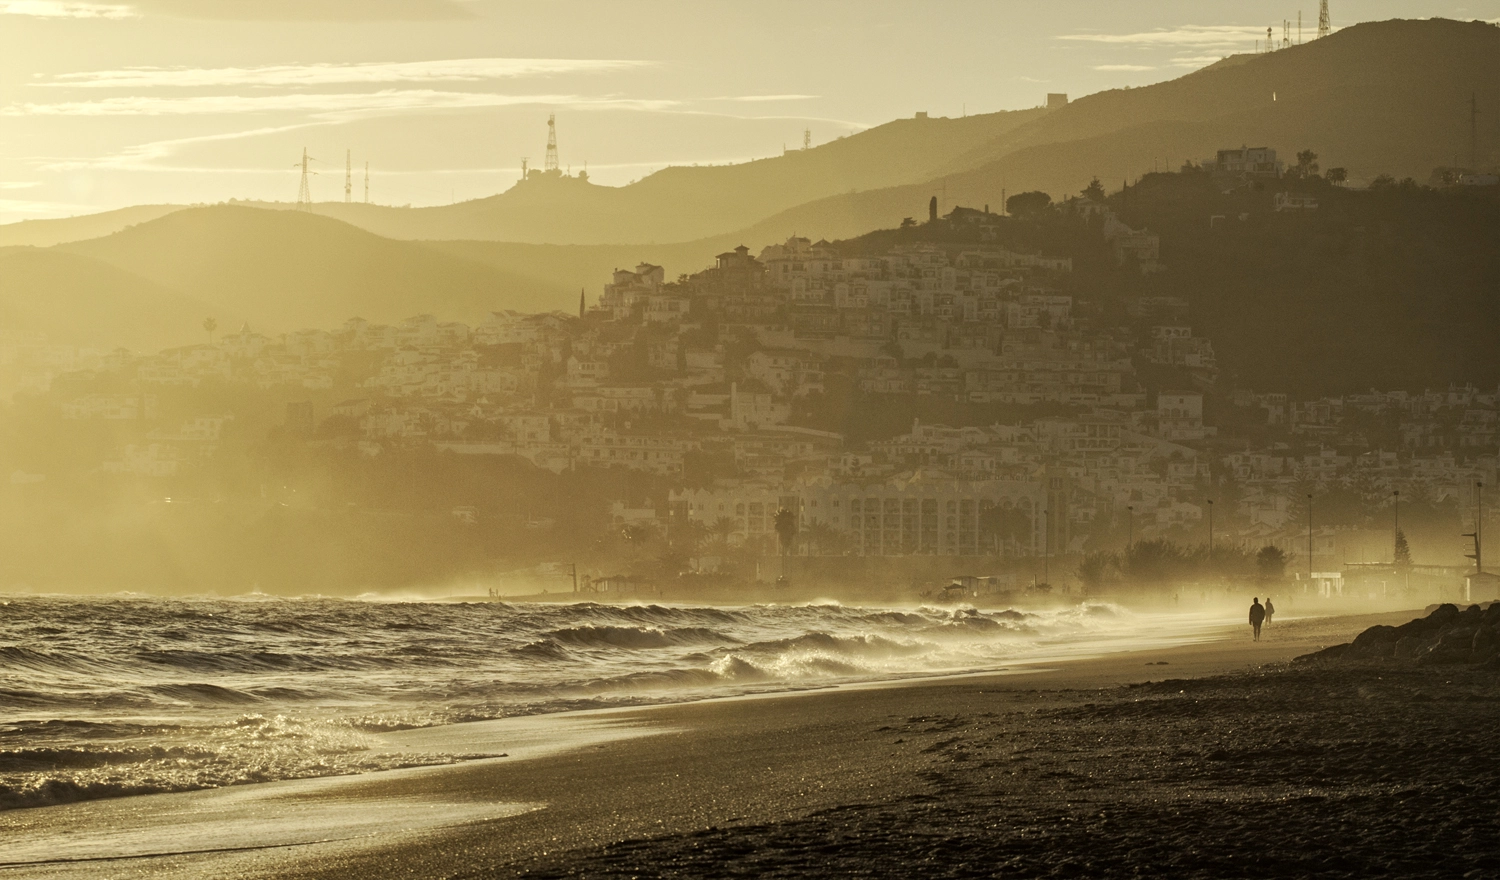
1396 536
1309 541
1210 532
1130 529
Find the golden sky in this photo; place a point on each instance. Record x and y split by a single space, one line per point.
106 104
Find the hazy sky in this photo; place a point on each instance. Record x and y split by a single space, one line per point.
116 103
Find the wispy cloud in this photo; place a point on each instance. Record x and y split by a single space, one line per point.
19 184
1197 36
21 209
1124 67
291 75
1195 60
767 98
58 9
143 157
341 105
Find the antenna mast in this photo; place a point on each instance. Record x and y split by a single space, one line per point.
304 192
1324 26
348 178
806 138
551 163
367 182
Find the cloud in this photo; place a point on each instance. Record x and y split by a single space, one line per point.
288 75
19 184
24 208
1195 36
1124 67
58 9
1196 60
308 10
341 105
767 98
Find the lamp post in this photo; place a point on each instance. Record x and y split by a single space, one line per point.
1309 541
1130 530
1479 527
1210 533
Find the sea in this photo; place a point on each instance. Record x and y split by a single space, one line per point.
126 695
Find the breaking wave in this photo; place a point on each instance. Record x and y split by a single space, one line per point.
115 696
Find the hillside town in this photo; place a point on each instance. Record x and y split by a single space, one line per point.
941 397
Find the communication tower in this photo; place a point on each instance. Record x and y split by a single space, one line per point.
1324 25
304 192
524 160
551 163
348 178
806 138
367 182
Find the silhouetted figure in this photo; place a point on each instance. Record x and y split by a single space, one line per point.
1257 616
1270 611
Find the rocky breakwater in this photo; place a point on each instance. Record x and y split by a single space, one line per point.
1446 636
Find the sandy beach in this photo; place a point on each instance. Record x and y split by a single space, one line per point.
1213 759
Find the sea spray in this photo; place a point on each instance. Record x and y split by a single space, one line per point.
116 696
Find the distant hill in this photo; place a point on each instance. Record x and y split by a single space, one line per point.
56 230
1380 98
287 269
83 301
680 203
1377 98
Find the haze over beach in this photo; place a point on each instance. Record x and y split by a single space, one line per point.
453 438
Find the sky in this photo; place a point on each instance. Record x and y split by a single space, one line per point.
108 104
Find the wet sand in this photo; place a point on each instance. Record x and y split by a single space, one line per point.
1213 760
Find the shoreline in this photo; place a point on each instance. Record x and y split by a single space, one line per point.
812 752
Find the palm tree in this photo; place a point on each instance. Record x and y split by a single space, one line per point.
210 325
786 531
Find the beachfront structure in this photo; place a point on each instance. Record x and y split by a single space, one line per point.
911 514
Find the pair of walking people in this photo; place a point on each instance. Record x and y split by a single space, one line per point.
1260 614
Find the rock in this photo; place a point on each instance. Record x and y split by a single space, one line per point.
1443 615
1492 614
1332 653
1377 641
1409 647
1485 644
1454 646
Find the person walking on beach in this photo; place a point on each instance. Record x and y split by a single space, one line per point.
1257 616
1270 611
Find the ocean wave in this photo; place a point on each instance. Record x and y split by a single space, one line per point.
122 695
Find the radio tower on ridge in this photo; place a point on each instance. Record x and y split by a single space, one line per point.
551 164
367 181
1324 25
348 178
304 192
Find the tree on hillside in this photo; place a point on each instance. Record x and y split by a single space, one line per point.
210 325
1095 190
1270 563
786 532
1307 164
1403 551
1027 203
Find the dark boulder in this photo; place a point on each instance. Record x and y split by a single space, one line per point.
1377 641
1443 615
1453 646
1332 653
1408 647
1486 644
1492 614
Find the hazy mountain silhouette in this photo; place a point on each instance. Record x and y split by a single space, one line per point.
57 230
676 204
288 269
83 301
1377 98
